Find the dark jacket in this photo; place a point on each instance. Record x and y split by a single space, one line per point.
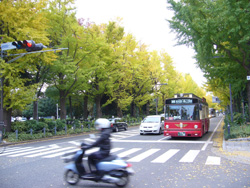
103 142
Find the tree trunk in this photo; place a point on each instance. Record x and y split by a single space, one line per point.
85 107
70 108
98 106
62 105
248 94
7 119
147 108
119 112
35 110
133 111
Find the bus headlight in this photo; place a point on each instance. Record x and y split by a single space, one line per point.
167 126
195 126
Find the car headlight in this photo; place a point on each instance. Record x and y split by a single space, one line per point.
195 126
167 126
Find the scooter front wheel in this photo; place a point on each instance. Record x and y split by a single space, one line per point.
123 181
71 177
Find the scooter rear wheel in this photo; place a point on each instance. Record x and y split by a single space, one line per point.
71 177
123 181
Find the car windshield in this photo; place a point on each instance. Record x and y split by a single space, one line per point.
182 112
151 120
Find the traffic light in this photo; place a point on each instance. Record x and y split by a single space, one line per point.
19 45
29 45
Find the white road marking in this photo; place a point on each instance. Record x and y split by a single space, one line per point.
20 151
54 146
143 155
48 152
210 138
75 143
59 154
165 138
163 141
89 140
166 156
30 152
189 156
128 152
115 150
213 160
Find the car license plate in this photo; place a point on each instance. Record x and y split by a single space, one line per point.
181 134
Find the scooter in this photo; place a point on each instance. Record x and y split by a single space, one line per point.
112 169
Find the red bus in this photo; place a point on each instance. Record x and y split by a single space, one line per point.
186 115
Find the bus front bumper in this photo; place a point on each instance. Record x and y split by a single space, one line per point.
184 133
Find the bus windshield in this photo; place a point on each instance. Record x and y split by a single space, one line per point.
182 112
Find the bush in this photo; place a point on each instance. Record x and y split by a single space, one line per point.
60 124
237 132
239 119
36 126
51 124
20 126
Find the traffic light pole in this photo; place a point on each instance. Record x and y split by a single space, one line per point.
12 60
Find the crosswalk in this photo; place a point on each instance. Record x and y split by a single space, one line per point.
133 155
117 135
124 134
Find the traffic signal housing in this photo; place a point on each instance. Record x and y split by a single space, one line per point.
28 45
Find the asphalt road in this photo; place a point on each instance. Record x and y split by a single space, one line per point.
158 161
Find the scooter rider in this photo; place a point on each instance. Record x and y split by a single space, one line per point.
103 143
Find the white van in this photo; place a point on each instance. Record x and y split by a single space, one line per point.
152 124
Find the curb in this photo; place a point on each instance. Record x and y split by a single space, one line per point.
240 144
237 150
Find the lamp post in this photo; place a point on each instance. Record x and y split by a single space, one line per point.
156 100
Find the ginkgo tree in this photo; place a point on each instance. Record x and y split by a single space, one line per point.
219 33
19 89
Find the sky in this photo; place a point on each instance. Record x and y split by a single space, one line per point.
146 20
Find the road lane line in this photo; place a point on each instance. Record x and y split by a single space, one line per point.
165 138
143 155
190 156
166 156
163 141
210 138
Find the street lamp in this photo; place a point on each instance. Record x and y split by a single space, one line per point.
156 102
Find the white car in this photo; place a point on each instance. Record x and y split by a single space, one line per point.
152 124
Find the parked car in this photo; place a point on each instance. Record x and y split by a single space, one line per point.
152 124
117 124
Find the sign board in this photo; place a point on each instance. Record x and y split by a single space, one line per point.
7 46
248 77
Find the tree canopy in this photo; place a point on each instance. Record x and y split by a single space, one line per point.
103 66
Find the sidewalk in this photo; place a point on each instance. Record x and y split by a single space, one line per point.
235 149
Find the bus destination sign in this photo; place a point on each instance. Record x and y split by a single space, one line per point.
181 101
